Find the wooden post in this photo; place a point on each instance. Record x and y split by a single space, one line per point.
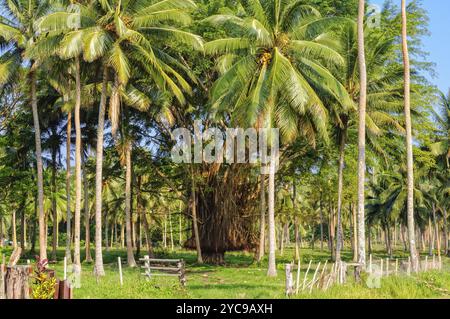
297 282
426 263
370 264
17 282
306 275
65 268
440 262
120 271
289 280
182 272
147 266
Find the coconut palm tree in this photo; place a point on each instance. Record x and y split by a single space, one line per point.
117 33
409 147
383 102
361 134
273 72
17 29
442 118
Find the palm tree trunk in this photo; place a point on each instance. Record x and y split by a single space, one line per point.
430 238
445 230
68 208
130 256
262 220
55 215
332 233
180 238
172 247
39 166
294 196
340 188
13 229
138 234
2 235
436 232
272 269
361 137
87 218
409 150
194 218
99 269
321 222
77 216
355 232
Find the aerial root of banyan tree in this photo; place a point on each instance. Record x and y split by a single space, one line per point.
227 203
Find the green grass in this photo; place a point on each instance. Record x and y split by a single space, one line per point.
241 277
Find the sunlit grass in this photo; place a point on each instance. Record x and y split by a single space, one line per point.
242 277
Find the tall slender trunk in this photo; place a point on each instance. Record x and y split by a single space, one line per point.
130 256
105 224
165 231
409 149
77 215
39 166
262 219
13 228
147 234
87 217
180 238
99 269
445 230
332 233
340 188
143 217
122 235
194 218
172 247
54 212
436 232
355 232
272 269
68 208
430 238
296 226
138 232
361 136
2 235
321 221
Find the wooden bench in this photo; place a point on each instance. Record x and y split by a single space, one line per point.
164 267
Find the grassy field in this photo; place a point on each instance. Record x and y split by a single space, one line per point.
241 277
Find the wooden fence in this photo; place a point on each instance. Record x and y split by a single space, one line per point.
164 267
325 276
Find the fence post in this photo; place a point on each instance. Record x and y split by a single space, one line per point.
289 280
182 272
120 271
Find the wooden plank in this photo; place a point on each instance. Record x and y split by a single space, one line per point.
164 268
163 260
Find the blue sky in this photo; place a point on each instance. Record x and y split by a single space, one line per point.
438 44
